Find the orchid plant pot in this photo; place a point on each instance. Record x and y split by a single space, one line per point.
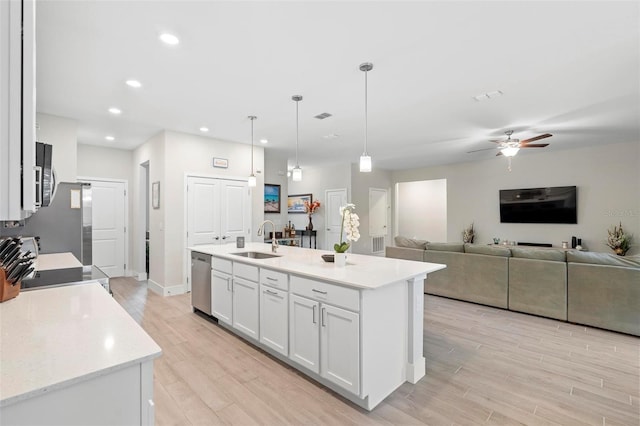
340 259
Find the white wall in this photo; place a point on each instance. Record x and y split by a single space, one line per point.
315 181
360 184
62 134
421 209
109 163
607 177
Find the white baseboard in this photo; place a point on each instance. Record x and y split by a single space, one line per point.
140 276
166 291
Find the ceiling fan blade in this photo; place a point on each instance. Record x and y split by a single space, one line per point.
478 150
536 138
535 145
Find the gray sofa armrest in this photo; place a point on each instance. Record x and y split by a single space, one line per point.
604 296
404 253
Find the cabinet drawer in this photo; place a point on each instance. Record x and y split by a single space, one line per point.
222 265
274 278
243 270
345 297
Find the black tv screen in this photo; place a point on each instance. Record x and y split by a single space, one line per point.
539 205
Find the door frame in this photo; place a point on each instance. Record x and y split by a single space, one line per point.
326 203
186 263
127 271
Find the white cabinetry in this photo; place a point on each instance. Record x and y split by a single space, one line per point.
274 310
221 290
325 338
17 109
245 307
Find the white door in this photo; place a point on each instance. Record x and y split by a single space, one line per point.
246 307
108 209
221 296
304 339
340 347
274 321
378 212
203 215
334 199
235 210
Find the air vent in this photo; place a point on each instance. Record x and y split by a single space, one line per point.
377 244
323 116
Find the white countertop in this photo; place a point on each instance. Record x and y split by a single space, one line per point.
45 262
55 337
361 271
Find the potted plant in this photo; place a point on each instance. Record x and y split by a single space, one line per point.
310 209
348 228
619 242
468 234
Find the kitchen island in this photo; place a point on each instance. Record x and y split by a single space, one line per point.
356 329
71 355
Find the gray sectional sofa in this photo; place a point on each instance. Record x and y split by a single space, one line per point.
595 289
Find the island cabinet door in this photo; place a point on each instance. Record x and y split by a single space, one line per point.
340 347
274 319
304 332
246 307
221 296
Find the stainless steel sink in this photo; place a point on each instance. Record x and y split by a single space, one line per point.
256 255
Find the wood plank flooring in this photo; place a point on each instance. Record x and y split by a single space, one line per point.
484 366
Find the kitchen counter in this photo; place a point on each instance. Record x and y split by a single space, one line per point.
361 271
45 262
55 338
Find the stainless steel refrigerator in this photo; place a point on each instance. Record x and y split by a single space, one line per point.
63 226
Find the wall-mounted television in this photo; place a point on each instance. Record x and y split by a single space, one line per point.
556 204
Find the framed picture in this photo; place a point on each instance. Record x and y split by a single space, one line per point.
271 198
295 203
155 195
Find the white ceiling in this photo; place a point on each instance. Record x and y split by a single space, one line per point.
567 68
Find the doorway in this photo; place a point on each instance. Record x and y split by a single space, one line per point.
334 199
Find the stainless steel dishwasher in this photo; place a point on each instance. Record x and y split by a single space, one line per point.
201 282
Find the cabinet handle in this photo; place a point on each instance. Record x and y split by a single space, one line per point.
228 286
216 238
224 238
314 314
318 291
272 279
323 309
271 292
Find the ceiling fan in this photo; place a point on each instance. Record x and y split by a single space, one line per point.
510 147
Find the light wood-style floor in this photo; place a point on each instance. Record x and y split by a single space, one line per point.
484 366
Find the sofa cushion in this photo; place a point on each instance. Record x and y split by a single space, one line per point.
603 259
488 250
539 254
455 247
410 242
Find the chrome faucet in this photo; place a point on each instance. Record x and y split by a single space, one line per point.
274 241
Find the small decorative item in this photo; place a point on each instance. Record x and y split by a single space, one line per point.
340 259
349 227
310 208
468 234
271 198
328 258
221 163
496 240
565 244
618 241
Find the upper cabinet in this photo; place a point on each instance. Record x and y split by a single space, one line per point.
17 109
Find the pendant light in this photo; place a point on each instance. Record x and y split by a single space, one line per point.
252 177
296 172
365 159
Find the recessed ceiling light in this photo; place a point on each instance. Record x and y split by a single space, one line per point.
489 95
204 129
134 83
169 39
110 138
264 141
115 111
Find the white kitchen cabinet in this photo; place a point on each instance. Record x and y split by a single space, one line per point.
274 319
221 296
246 307
340 347
17 109
304 332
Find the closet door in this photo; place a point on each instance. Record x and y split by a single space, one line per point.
235 210
203 217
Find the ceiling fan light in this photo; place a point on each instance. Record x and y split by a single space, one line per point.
510 151
296 174
252 181
365 163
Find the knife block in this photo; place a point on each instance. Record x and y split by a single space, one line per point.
7 289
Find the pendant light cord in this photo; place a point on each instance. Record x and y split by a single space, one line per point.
366 113
252 145
297 133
